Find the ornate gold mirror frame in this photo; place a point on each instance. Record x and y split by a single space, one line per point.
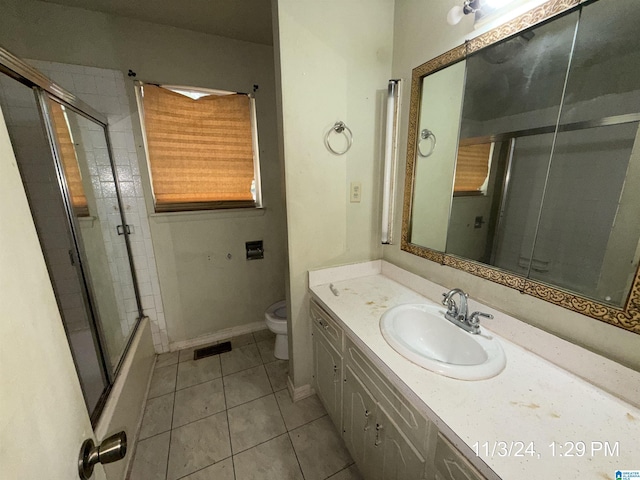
627 317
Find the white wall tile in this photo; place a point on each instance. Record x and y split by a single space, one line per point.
106 91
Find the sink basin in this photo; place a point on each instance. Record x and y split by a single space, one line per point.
420 333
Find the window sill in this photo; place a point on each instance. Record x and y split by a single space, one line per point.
196 215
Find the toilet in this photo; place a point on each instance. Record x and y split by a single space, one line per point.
276 319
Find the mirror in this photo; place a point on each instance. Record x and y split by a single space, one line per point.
533 167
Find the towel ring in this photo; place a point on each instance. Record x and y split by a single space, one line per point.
427 134
339 127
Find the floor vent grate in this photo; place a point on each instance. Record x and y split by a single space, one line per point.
211 350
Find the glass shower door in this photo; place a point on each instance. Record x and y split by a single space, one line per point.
64 160
100 231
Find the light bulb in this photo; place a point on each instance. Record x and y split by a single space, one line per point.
455 15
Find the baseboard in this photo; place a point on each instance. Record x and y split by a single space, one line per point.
225 334
300 392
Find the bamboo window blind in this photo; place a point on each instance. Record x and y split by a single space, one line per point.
200 151
69 160
472 168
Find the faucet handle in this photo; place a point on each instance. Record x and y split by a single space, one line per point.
450 303
474 320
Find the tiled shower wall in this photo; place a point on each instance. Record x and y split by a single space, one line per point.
106 91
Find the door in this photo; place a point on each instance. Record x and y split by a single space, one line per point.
43 417
397 458
328 370
358 426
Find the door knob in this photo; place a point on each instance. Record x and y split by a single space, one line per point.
110 450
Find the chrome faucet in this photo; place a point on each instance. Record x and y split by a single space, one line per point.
458 314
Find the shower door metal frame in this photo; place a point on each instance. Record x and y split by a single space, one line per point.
45 89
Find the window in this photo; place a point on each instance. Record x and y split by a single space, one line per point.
472 169
201 148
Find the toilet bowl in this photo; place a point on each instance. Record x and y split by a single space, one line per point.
276 319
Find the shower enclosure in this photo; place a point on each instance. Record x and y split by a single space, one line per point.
64 157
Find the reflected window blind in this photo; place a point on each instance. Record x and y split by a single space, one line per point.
472 168
200 151
69 160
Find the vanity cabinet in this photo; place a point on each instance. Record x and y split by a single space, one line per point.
450 464
358 427
327 359
386 436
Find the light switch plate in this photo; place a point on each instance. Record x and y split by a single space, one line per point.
356 192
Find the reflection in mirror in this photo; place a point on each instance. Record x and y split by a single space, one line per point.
433 172
513 89
584 187
546 187
590 221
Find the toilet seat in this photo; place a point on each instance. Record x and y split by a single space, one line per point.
277 312
281 312
276 319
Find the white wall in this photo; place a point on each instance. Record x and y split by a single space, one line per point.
433 175
420 34
202 291
335 59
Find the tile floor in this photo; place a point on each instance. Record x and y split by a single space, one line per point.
230 417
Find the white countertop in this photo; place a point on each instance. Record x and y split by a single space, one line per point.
532 401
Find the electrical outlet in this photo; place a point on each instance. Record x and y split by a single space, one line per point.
356 192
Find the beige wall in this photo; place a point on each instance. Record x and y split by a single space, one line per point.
433 175
421 33
202 290
335 59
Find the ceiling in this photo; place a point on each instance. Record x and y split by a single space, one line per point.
247 20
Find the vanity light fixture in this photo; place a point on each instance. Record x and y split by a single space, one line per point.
390 156
457 13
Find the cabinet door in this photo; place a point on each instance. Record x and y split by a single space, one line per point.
451 464
328 372
358 425
396 457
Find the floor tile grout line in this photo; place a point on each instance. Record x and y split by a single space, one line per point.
226 412
166 475
296 454
339 471
175 389
310 421
235 406
204 468
261 443
281 417
220 411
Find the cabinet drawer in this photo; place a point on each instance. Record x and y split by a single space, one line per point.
329 328
409 420
451 465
